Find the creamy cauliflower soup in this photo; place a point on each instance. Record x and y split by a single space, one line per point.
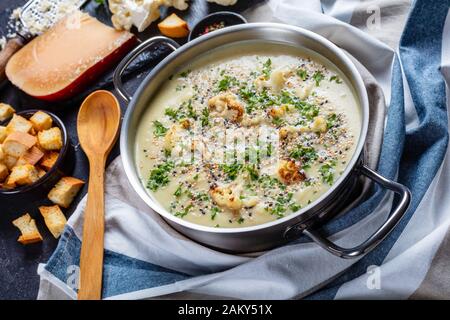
247 134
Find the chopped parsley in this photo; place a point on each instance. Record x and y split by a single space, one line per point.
335 79
307 110
226 82
252 172
240 220
205 117
178 192
214 212
191 112
306 154
269 149
159 130
332 120
302 74
172 113
277 121
318 77
184 212
184 74
267 68
327 172
231 170
159 176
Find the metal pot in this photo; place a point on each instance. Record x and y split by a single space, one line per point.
275 233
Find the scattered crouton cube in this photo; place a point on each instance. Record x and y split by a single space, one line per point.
2 153
3 172
32 156
18 143
41 173
54 219
10 161
27 226
2 134
41 121
49 160
6 111
50 139
173 26
18 124
65 191
23 175
7 186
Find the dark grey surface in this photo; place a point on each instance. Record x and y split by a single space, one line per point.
18 263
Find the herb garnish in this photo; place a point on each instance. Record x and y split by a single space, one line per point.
327 172
302 74
305 154
335 79
318 77
159 130
226 83
267 68
231 170
159 176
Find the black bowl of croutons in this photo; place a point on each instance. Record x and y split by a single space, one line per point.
35 153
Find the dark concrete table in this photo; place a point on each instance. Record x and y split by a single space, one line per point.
18 263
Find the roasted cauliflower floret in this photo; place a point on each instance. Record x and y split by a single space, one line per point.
277 80
170 137
226 106
319 124
304 91
279 111
289 172
226 197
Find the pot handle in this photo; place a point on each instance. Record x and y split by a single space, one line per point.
381 233
123 65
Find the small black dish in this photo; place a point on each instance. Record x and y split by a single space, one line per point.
227 18
63 166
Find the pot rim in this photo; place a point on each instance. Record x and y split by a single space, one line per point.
358 86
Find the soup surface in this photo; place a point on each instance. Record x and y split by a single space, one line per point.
247 134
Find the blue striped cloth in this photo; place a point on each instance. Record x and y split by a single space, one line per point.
153 260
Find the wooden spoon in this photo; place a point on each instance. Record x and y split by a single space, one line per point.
98 125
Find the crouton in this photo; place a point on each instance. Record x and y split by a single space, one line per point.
10 161
50 139
7 186
173 26
3 172
18 124
32 156
49 160
2 153
6 111
41 121
23 175
28 229
41 173
18 143
65 191
2 134
54 219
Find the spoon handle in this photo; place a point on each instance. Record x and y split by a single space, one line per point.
91 259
